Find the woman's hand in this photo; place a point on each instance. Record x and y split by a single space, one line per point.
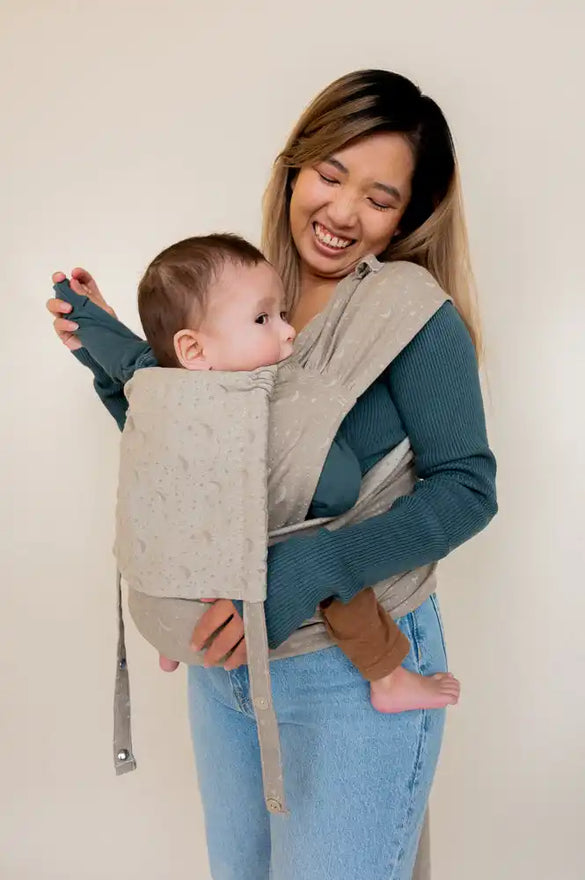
224 620
82 283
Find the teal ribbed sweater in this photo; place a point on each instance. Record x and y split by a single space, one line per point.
431 394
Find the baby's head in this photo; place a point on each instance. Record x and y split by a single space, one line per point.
214 303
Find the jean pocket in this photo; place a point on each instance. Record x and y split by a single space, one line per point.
409 626
435 603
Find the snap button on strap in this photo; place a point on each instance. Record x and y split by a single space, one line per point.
267 725
367 265
362 269
124 760
274 805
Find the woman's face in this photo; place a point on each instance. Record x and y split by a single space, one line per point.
350 204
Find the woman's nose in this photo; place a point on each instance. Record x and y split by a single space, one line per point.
342 210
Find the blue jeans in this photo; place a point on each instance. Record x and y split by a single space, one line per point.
357 782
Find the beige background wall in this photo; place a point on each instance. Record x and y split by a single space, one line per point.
127 125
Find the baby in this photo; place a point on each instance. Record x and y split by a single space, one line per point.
215 303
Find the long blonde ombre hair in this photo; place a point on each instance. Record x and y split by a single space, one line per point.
432 231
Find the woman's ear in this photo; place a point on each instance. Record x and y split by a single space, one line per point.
189 350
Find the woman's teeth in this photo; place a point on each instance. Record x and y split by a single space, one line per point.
333 241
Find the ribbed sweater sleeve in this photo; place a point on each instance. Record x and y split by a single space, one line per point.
110 393
434 384
117 350
110 350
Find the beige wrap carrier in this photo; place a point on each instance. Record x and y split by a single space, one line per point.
213 464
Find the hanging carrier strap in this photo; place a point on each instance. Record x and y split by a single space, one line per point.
191 520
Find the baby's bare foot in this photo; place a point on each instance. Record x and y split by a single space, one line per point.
403 690
167 665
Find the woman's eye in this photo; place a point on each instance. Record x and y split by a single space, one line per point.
379 206
325 178
262 319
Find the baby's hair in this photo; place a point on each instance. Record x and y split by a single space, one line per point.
173 291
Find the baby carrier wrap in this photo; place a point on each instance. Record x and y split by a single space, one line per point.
214 464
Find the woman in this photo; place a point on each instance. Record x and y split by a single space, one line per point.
369 169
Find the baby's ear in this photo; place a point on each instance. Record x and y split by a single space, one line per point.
189 350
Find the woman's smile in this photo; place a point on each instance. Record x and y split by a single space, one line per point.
329 242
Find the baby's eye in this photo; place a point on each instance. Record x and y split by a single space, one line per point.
284 316
262 319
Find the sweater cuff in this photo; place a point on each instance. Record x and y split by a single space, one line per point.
302 572
102 381
84 357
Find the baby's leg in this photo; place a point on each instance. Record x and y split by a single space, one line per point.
403 690
167 665
374 643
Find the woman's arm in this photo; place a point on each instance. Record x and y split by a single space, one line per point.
112 345
434 384
109 349
109 392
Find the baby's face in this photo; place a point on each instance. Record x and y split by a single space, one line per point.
245 325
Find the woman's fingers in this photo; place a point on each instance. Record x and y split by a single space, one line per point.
84 284
222 615
64 325
225 641
217 615
64 329
84 277
225 627
71 341
58 306
238 658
